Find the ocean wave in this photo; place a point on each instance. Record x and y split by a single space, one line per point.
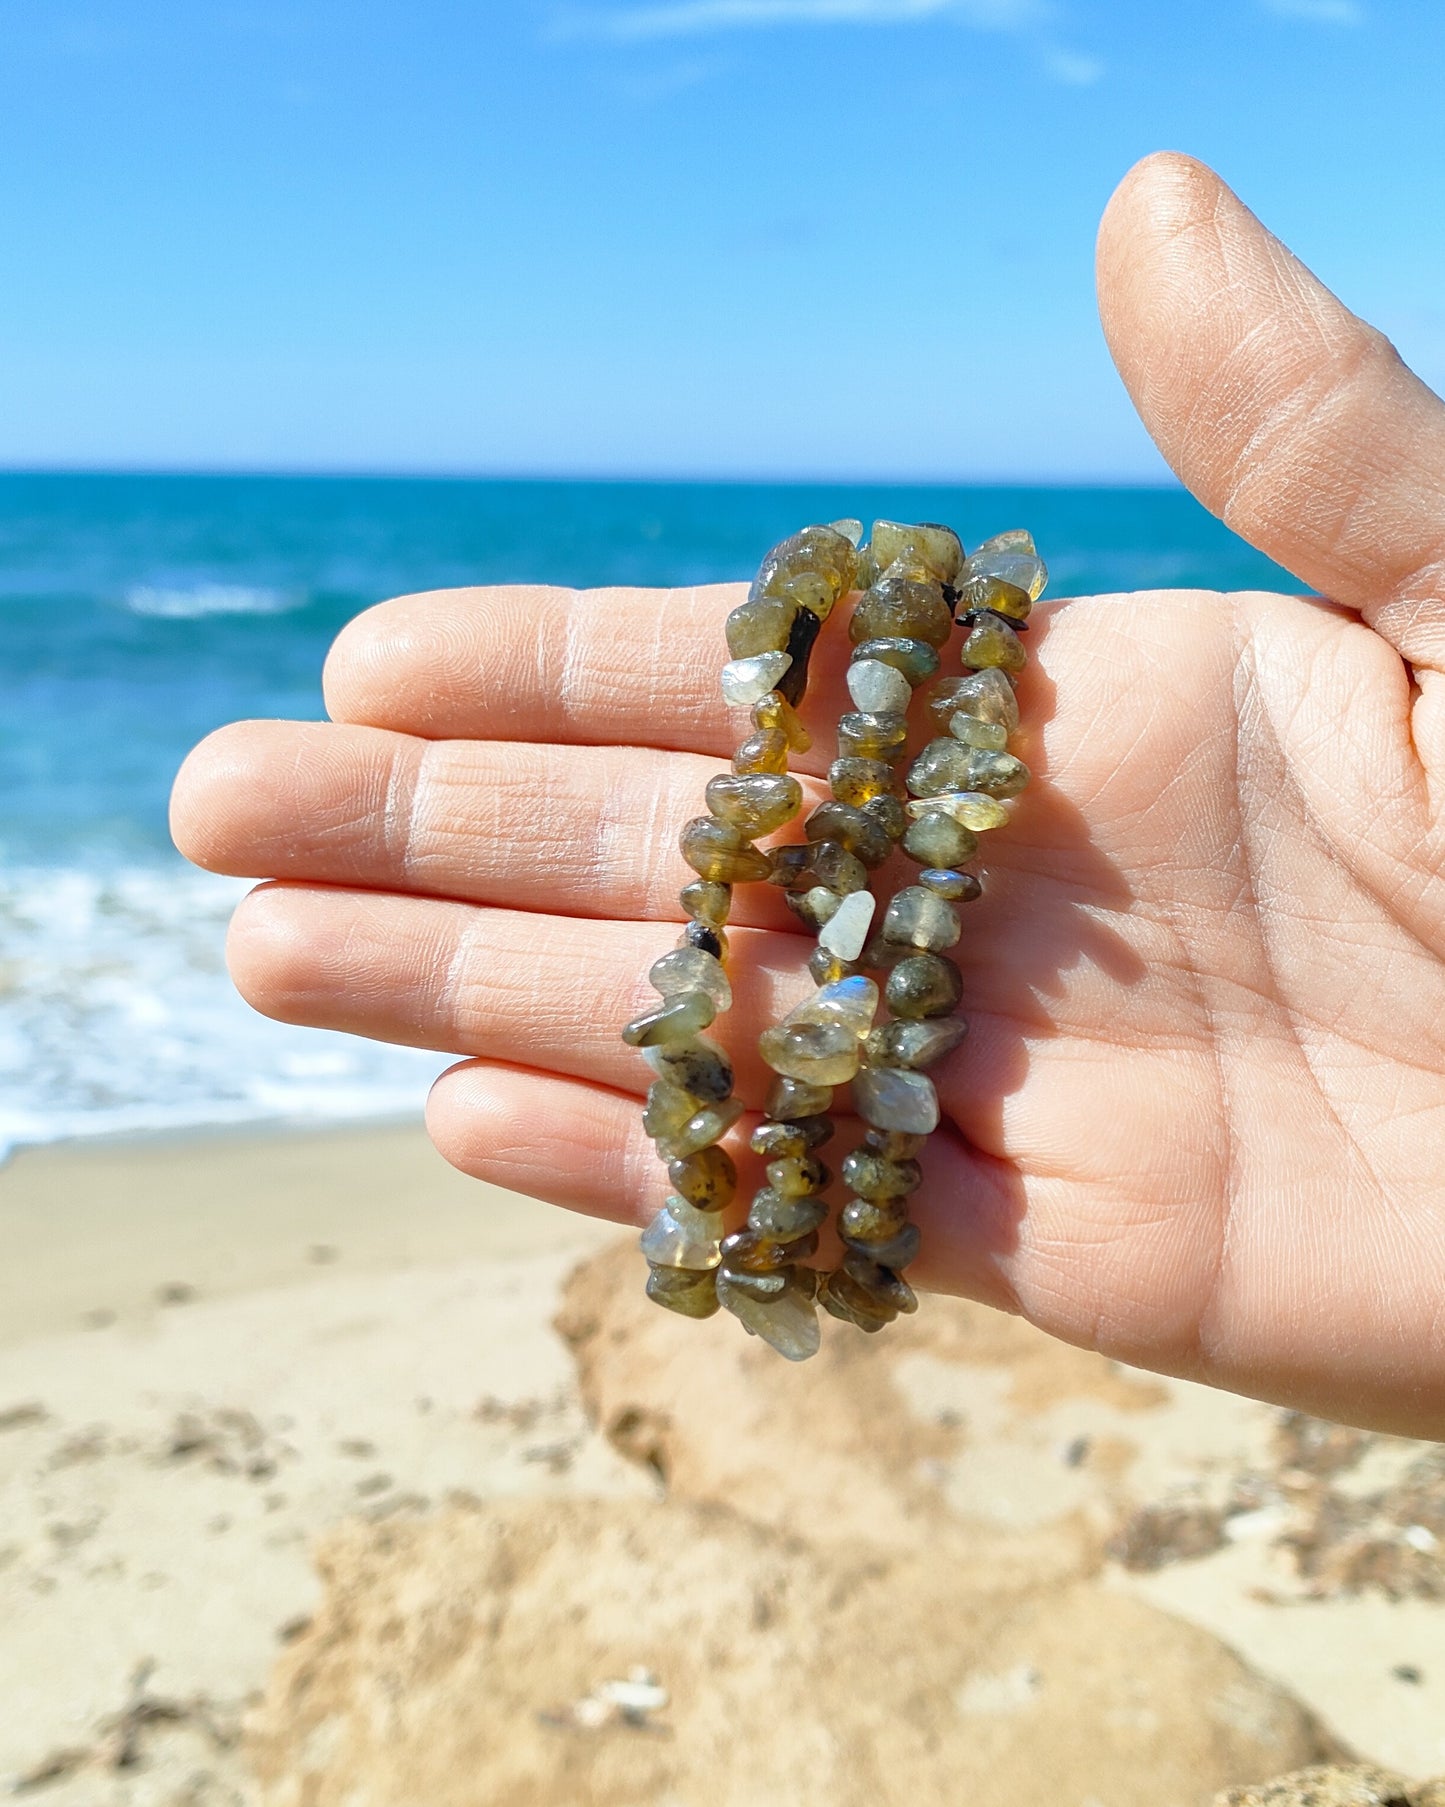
187 602
117 1014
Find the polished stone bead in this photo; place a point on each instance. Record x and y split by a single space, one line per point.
872 1177
678 1020
847 931
874 1217
775 1218
986 695
820 551
788 1321
893 1144
916 659
791 867
916 918
760 626
765 751
776 712
747 681
756 805
859 833
668 1108
852 1002
971 808
796 1176
874 686
995 774
717 852
1012 539
781 1141
994 594
856 780
701 1130
1013 564
684 1290
943 765
757 1282
923 985
826 969
888 813
851 530
992 643
823 1054
698 1066
957 887
894 1098
749 1252
883 735
991 737
681 1236
901 608
842 1297
815 907
832 865
881 1282
691 969
894 1254
707 1179
706 939
932 548
915 1044
792 1100
937 840
707 902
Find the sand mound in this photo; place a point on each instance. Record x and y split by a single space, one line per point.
472 1659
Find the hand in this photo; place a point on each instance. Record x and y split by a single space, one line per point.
1199 1122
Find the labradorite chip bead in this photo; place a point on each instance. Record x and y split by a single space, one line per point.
706 939
691 969
749 1252
776 1218
879 1282
873 1177
995 594
916 659
823 1054
765 751
893 1144
815 552
760 626
992 642
873 1217
717 851
957 887
851 828
914 1044
888 812
925 544
795 1176
879 734
826 967
937 840
949 765
667 1109
680 1289
986 695
916 918
832 865
898 1252
785 1141
679 1019
792 1099
755 805
901 608
699 1067
707 902
701 1130
776 712
707 1179
924 985
895 1098
856 780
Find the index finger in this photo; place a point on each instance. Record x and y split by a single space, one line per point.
579 667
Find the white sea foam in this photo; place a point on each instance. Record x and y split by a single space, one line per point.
185 602
117 1014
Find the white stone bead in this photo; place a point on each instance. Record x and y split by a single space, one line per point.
845 935
750 680
875 686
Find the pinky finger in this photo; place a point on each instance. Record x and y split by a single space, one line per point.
582 1147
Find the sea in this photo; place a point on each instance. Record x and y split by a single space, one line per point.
139 612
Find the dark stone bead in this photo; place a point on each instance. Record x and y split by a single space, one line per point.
778 1141
893 1144
858 832
836 868
915 1045
703 935
889 814
790 1100
777 1219
879 1282
826 969
842 1297
899 1252
871 1176
748 1252
802 637
706 1179
798 1176
872 1220
791 866
680 1289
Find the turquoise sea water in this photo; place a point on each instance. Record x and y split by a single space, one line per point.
137 613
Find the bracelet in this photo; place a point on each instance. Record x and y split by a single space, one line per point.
914 580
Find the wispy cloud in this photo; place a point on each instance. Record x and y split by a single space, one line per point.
1319 12
695 18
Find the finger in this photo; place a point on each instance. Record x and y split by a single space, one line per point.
553 991
582 1146
590 830
1286 415
591 667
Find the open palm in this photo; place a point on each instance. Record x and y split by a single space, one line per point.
1199 1122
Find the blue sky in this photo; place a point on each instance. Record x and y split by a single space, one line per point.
658 237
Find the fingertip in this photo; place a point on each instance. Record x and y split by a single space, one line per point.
212 776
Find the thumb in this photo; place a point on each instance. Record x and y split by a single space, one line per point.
1284 413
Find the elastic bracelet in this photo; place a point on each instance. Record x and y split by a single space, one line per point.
914 581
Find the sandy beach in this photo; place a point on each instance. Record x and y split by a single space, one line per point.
327 1475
